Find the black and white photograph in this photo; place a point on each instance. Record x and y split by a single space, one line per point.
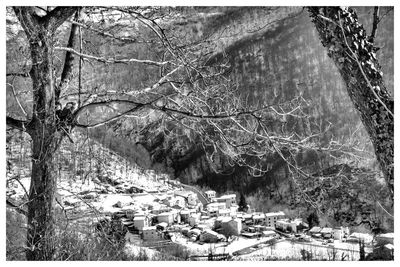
139 132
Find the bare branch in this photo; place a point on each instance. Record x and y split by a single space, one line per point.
375 23
107 34
17 208
66 74
156 85
25 75
113 60
138 107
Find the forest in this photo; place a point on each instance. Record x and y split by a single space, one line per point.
289 108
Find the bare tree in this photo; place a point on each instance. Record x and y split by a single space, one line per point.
184 87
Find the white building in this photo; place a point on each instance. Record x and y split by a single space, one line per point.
272 217
139 222
189 196
357 237
259 219
286 225
338 233
229 200
167 217
213 208
210 194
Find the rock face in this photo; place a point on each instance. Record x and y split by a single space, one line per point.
275 55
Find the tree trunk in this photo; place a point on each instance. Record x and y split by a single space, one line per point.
40 238
354 56
45 141
40 31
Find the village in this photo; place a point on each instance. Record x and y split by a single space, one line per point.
210 225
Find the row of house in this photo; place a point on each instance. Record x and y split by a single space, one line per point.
337 233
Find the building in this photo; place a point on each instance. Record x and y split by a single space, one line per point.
166 217
150 233
229 200
360 237
315 231
338 233
224 212
189 196
272 217
258 219
177 201
210 194
213 208
326 232
268 233
286 226
140 222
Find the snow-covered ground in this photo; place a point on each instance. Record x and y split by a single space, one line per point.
292 250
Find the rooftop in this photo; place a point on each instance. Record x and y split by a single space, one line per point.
278 213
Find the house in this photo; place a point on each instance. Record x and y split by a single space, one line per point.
268 233
229 200
224 212
213 208
338 233
326 232
210 194
315 231
286 226
165 217
272 217
259 219
247 219
357 237
139 222
150 233
189 196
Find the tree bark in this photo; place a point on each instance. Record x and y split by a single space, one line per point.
354 56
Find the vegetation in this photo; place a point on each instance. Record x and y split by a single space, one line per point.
185 82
